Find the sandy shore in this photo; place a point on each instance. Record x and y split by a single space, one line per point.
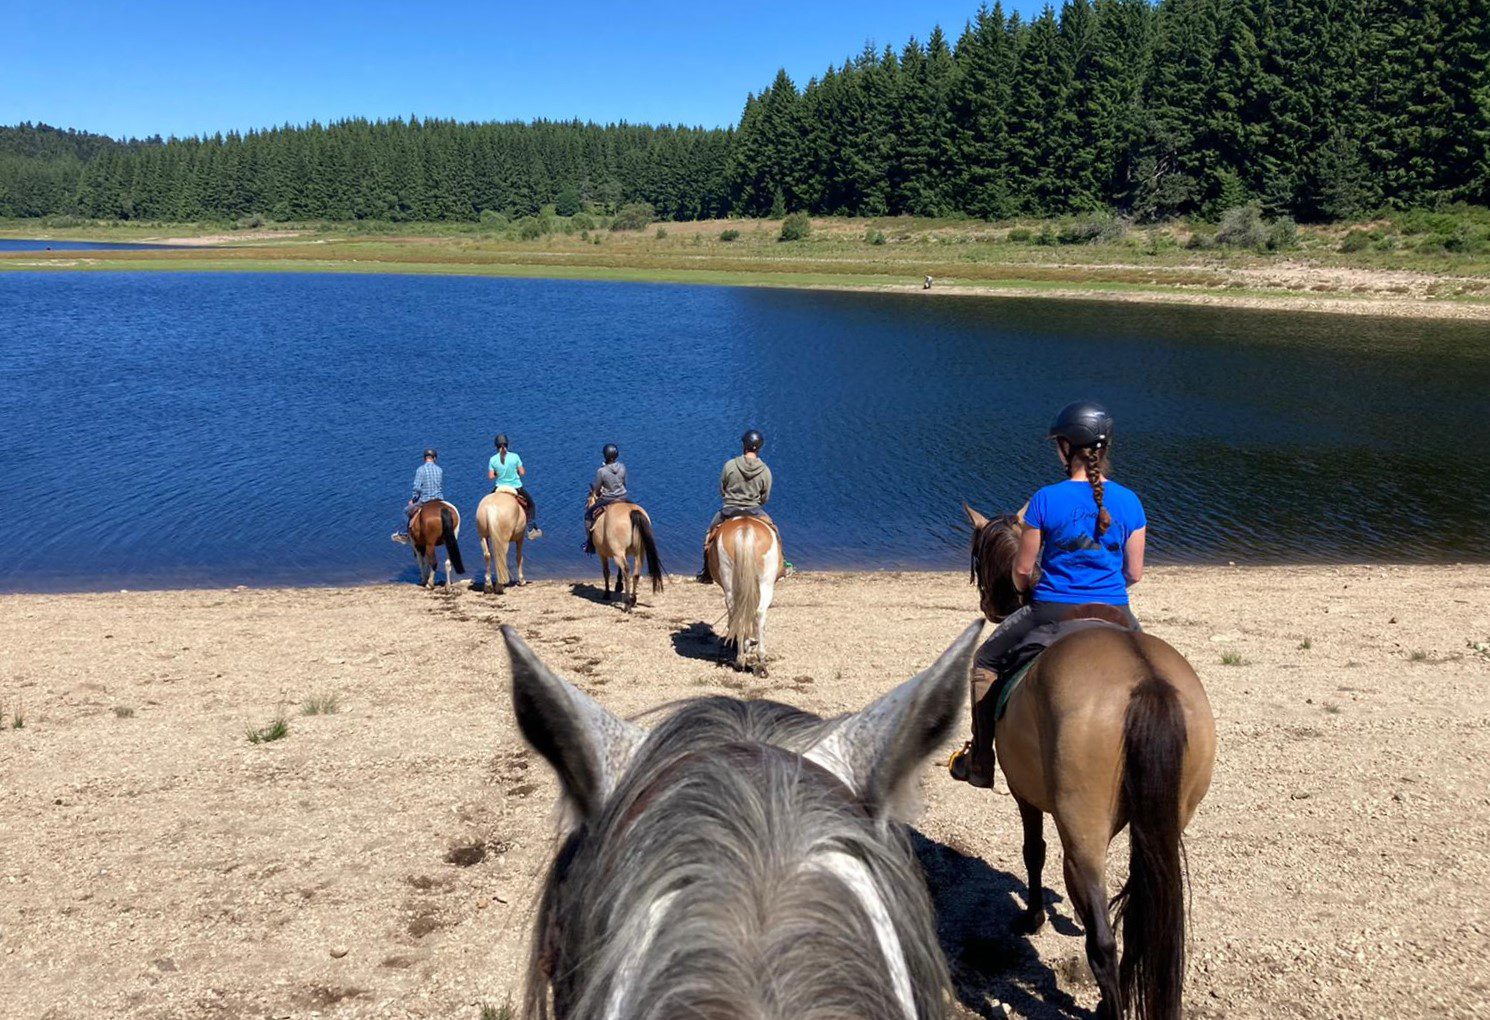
156 864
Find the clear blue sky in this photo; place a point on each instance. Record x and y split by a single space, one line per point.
194 66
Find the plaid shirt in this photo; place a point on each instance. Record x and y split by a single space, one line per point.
429 483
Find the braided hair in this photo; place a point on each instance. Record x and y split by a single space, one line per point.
1096 463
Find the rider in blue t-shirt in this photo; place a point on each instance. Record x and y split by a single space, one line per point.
506 471
1087 534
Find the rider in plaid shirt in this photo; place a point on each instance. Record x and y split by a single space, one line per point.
429 481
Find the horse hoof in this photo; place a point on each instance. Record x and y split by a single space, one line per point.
1030 921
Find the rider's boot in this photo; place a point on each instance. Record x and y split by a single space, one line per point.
704 577
975 763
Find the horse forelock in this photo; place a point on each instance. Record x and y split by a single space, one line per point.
728 877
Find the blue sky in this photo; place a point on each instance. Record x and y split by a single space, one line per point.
182 67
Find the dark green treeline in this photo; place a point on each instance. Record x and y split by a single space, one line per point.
1321 109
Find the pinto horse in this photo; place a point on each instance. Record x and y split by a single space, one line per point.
501 518
621 531
739 861
745 559
434 524
1109 727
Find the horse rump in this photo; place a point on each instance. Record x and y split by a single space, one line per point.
447 535
643 527
1150 907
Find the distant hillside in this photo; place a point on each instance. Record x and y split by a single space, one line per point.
1316 109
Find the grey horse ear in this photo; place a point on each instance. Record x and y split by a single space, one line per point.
877 750
588 747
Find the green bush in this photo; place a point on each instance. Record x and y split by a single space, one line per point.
582 221
248 222
493 218
1047 236
730 234
1283 233
634 216
531 228
567 203
661 233
796 227
875 236
1242 227
1356 240
1021 235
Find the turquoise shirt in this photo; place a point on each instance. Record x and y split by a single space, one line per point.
507 473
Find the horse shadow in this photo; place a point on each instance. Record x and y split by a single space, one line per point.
698 641
592 593
977 912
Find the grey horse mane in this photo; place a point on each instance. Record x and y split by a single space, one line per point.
717 881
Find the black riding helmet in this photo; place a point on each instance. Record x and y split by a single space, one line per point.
500 440
430 454
753 441
610 452
1082 424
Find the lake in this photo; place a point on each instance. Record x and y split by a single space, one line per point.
34 244
217 429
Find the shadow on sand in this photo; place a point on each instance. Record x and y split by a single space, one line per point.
977 909
593 593
698 641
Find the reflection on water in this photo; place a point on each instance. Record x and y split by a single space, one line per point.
224 429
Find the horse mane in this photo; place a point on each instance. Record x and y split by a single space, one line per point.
995 547
726 877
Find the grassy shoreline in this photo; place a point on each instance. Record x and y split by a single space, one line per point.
1161 265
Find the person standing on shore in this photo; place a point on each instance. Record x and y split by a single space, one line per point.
1088 535
608 487
429 485
506 471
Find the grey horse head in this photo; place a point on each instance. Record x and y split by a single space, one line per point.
740 860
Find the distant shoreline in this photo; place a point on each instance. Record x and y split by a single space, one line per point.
961 261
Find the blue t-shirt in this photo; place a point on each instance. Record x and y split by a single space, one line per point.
507 472
1075 565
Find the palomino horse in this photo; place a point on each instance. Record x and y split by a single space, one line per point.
624 530
434 524
1110 727
745 559
500 519
738 861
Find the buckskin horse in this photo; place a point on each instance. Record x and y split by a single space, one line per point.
619 531
434 524
500 520
745 560
740 860
1109 727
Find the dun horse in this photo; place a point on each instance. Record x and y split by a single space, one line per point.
500 520
1110 727
435 524
622 531
738 861
745 558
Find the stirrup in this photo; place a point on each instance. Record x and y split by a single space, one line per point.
958 763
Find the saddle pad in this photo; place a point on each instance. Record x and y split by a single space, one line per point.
1008 687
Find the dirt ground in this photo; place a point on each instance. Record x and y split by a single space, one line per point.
382 860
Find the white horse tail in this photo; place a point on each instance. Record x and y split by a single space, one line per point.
745 585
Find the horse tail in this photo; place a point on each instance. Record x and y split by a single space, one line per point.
642 526
447 532
745 585
1150 906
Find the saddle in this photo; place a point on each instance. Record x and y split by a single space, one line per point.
1016 663
730 515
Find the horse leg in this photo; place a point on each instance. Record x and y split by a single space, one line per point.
521 577
1085 864
1034 863
499 553
605 574
431 561
486 552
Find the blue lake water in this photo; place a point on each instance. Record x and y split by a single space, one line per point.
34 244
218 429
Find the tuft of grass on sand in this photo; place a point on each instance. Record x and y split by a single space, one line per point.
1417 655
277 729
502 1012
1232 659
321 704
17 717
1306 644
123 712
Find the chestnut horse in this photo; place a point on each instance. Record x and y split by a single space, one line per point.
1109 727
745 559
620 531
434 524
501 519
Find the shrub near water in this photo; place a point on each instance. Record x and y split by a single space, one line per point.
634 216
729 235
796 227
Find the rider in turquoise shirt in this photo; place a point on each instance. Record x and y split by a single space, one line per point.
506 470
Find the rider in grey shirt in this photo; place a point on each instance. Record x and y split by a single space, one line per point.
608 487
